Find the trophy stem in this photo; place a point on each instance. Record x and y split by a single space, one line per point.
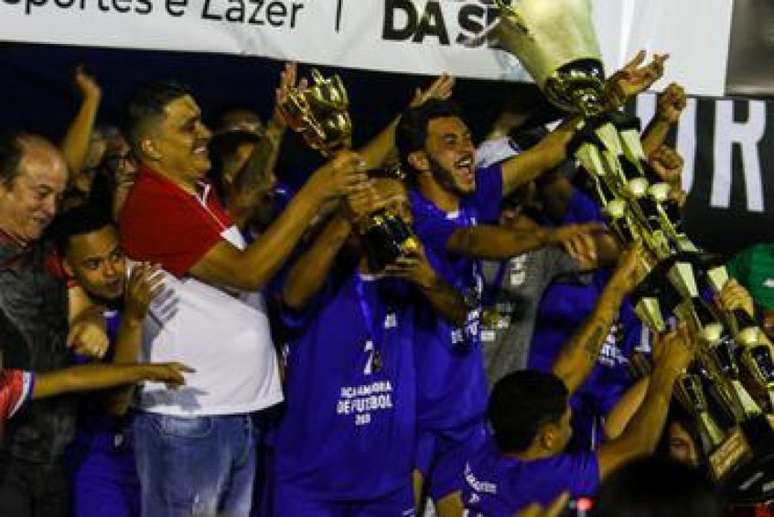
709 431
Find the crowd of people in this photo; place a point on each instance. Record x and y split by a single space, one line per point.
183 335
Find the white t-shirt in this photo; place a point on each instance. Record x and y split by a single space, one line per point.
221 333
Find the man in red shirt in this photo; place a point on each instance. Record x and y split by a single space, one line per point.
205 433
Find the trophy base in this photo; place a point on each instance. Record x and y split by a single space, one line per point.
744 464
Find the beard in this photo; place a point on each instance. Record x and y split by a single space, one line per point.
445 178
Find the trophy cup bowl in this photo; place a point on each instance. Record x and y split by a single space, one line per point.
556 42
320 114
386 238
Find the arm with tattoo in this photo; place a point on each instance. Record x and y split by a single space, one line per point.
578 356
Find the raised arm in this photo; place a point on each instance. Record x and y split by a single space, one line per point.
256 176
307 275
579 355
539 159
644 430
671 103
75 145
621 414
250 269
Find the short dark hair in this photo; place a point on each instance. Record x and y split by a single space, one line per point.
11 154
80 220
657 487
521 403
147 104
411 133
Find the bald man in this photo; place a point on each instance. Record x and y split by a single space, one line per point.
33 326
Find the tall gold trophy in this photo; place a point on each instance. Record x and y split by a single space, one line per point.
319 113
730 387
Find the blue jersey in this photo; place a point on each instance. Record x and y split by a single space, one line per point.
349 426
451 385
104 476
564 307
497 485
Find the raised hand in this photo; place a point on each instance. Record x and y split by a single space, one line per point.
675 350
344 173
86 84
288 78
634 78
146 282
361 201
440 89
671 103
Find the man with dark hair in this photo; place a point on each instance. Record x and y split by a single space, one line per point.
545 398
456 209
452 200
206 433
530 416
345 444
104 475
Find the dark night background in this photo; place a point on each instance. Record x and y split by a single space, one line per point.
38 95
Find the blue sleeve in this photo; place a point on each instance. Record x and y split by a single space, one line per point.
582 209
433 230
489 193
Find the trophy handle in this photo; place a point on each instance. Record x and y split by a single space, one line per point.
317 77
507 11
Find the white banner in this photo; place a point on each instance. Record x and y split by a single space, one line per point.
412 36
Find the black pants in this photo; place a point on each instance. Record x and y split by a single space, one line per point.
33 489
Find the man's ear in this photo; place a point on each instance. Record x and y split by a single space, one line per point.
148 148
547 436
420 161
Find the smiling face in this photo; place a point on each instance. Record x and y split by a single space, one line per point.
449 155
29 202
177 145
96 261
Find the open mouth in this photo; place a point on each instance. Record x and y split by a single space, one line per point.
465 166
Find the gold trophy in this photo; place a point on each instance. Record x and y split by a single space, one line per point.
556 43
319 113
